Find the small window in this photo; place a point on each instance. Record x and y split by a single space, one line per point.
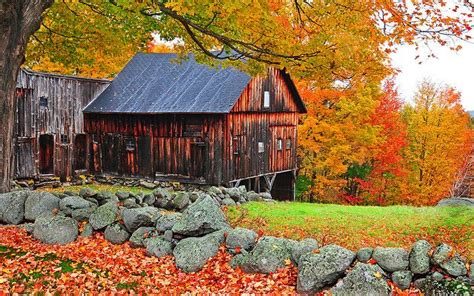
266 99
64 139
235 146
130 144
279 144
43 103
192 127
261 147
288 143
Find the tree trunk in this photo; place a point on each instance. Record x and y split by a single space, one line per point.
19 19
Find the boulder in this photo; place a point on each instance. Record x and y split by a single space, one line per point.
29 227
135 218
437 276
168 235
104 215
441 253
149 199
104 197
180 201
200 218
419 257
191 254
163 198
130 203
364 279
116 234
269 254
228 202
147 185
364 254
322 269
265 195
242 238
55 229
83 214
391 259
455 266
87 192
70 204
402 278
253 196
167 220
137 239
456 202
122 195
38 203
12 207
304 246
235 193
87 231
158 246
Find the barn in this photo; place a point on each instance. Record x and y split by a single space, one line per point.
49 136
191 123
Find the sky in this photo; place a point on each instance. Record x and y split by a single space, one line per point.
453 68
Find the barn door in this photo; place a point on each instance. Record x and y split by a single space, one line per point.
198 159
111 153
46 154
64 156
144 155
24 158
80 152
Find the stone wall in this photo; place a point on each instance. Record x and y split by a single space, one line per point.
191 226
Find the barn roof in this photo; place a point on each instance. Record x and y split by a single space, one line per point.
156 83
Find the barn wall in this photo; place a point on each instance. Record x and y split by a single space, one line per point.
188 147
49 104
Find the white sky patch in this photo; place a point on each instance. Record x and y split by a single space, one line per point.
455 69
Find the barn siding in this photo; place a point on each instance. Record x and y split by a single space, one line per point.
66 97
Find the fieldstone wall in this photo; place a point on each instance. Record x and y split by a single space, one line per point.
191 226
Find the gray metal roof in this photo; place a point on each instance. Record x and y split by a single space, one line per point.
156 83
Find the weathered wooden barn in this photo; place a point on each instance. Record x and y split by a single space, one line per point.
188 122
49 129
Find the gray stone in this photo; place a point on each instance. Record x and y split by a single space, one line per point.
70 193
253 196
87 192
364 279
304 246
402 278
105 196
130 203
265 195
193 196
83 214
234 193
55 229
163 198
455 266
364 254
104 215
441 253
135 218
191 254
322 269
419 257
149 199
228 202
38 203
91 199
167 220
243 238
391 259
456 202
158 246
87 231
137 239
12 207
71 203
239 259
269 254
180 200
168 235
213 190
147 185
437 276
201 217
122 195
116 234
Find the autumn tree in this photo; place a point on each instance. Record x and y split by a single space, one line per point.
439 139
318 41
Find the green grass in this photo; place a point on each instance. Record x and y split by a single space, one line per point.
359 226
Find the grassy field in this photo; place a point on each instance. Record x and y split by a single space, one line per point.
361 226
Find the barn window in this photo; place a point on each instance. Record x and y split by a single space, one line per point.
235 145
288 143
266 99
130 144
64 139
43 103
279 144
261 147
192 127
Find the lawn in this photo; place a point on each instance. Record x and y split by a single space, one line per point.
360 226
